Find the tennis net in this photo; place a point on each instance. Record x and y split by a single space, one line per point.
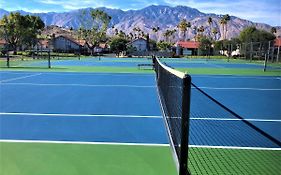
174 96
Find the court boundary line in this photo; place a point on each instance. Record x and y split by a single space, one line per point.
234 119
235 147
78 85
237 88
19 78
84 143
137 144
237 76
81 115
82 73
128 116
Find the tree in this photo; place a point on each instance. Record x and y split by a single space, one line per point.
252 34
210 22
118 45
205 46
224 20
97 33
273 30
162 45
215 32
183 27
18 30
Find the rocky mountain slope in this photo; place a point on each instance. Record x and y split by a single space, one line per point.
164 17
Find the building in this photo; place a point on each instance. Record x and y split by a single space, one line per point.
187 47
2 43
277 42
140 44
66 44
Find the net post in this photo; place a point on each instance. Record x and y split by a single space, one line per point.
49 59
186 91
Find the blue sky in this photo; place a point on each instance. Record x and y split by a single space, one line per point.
265 11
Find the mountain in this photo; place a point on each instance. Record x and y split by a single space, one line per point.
163 16
3 12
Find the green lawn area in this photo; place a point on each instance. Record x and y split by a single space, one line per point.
75 159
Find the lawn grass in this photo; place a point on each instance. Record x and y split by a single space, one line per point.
76 159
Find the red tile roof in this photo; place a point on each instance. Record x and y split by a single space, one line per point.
2 42
188 44
44 43
277 42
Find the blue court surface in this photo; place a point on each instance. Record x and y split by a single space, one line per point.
124 108
133 62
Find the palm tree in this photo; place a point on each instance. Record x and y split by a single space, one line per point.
215 32
224 20
273 30
200 30
167 34
227 18
116 32
183 25
195 32
222 23
155 29
210 21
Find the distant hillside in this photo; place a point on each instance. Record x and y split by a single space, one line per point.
163 16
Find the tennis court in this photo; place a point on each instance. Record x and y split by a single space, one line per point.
111 123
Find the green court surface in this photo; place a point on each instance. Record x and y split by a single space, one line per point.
77 159
74 159
230 71
221 161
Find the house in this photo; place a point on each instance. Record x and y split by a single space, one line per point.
66 44
277 42
102 47
139 44
187 47
2 43
42 45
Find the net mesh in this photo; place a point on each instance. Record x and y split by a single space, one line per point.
222 142
174 93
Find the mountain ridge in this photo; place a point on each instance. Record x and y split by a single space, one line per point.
165 17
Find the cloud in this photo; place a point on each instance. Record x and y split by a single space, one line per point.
36 10
74 4
259 11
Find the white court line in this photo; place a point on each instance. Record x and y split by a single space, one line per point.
233 119
121 74
81 115
235 76
80 85
18 78
255 89
235 147
130 116
84 143
136 144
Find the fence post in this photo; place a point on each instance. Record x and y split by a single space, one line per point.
49 59
8 59
278 52
265 62
272 52
251 51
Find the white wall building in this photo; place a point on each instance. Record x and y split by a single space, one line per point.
140 44
65 44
